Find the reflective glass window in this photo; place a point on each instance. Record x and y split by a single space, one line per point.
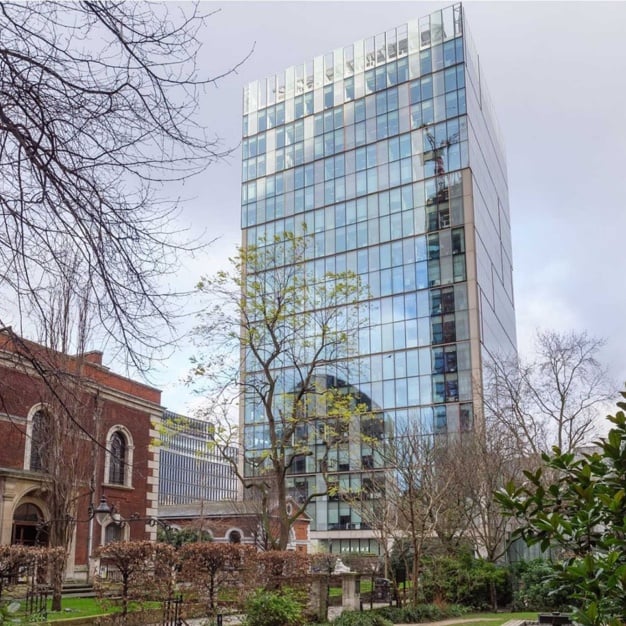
460 76
449 53
381 78
298 107
280 114
403 70
459 49
452 107
328 96
425 62
426 88
348 86
450 79
415 95
427 113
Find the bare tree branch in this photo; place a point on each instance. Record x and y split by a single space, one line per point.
556 399
98 109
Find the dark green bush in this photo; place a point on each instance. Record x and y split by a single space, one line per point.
465 580
358 618
394 614
534 591
273 608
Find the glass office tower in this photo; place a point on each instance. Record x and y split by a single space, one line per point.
387 150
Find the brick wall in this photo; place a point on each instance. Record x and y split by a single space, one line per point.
103 400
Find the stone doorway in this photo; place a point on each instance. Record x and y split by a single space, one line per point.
28 528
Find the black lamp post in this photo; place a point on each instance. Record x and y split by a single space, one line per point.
106 511
101 512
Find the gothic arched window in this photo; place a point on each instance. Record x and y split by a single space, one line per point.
38 450
117 463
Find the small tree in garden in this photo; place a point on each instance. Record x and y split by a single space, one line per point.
281 581
11 559
19 559
577 503
462 579
278 568
272 608
283 341
143 568
165 563
419 491
208 567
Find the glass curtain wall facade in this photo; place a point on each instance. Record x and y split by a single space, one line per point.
387 151
190 468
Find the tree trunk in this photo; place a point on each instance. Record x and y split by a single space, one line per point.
59 533
284 518
125 577
57 588
493 593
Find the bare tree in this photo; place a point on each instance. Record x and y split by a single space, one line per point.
144 570
568 385
483 462
418 489
377 508
506 399
98 104
210 567
282 341
19 563
553 400
64 432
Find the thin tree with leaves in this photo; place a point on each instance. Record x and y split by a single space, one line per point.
281 341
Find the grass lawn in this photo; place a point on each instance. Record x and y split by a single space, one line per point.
78 607
366 587
84 607
494 619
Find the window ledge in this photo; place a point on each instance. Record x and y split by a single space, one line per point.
118 486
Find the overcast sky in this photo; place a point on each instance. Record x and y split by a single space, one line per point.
556 73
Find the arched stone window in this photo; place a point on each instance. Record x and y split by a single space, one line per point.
112 533
35 452
119 457
234 536
117 466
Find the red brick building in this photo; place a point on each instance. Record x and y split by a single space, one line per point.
71 417
231 522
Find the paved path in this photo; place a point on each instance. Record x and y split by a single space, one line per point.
469 620
460 620
335 611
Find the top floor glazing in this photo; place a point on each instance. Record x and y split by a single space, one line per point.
316 85
407 41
